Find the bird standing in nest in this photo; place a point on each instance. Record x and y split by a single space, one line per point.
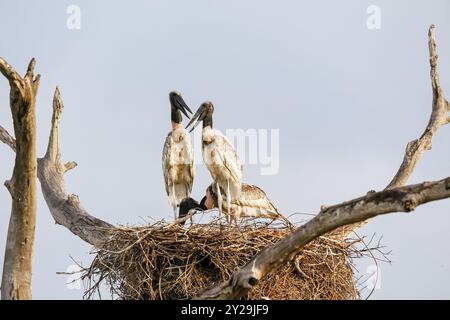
219 156
253 202
178 155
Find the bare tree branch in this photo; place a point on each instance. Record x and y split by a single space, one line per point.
17 267
6 138
70 165
356 211
396 197
438 118
9 73
66 209
402 199
415 148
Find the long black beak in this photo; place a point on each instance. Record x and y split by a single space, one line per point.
198 117
182 106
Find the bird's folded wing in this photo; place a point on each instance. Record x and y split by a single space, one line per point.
166 160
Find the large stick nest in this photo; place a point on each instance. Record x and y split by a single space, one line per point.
166 261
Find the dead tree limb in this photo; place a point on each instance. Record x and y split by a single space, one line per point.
439 117
402 199
17 266
66 209
7 139
356 211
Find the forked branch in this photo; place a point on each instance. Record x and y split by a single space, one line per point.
17 266
439 117
394 198
68 211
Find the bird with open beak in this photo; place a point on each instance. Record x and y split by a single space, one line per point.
178 155
219 156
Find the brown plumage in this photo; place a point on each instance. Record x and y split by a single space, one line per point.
253 202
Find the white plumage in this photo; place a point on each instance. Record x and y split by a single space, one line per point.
223 163
219 156
178 156
178 166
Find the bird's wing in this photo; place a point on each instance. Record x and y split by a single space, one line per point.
190 160
254 196
166 160
228 156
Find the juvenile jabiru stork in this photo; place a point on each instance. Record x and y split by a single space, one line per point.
178 155
219 156
189 206
253 202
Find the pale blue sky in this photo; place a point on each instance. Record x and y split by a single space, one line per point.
345 99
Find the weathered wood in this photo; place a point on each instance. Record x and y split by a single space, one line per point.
439 115
17 266
66 209
7 139
402 199
360 210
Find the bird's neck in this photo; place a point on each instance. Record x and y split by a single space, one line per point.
207 121
176 125
175 116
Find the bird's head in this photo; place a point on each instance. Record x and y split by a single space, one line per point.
178 106
190 206
204 113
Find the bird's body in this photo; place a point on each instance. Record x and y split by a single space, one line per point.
178 157
253 202
223 162
219 156
178 166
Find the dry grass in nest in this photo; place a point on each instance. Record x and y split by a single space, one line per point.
164 261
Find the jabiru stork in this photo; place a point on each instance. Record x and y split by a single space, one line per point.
178 155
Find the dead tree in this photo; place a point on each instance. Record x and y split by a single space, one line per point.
68 211
395 198
17 267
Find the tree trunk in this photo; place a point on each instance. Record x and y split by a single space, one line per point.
17 268
68 211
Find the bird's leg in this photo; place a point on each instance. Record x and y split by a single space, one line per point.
174 201
219 200
229 199
234 216
175 211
